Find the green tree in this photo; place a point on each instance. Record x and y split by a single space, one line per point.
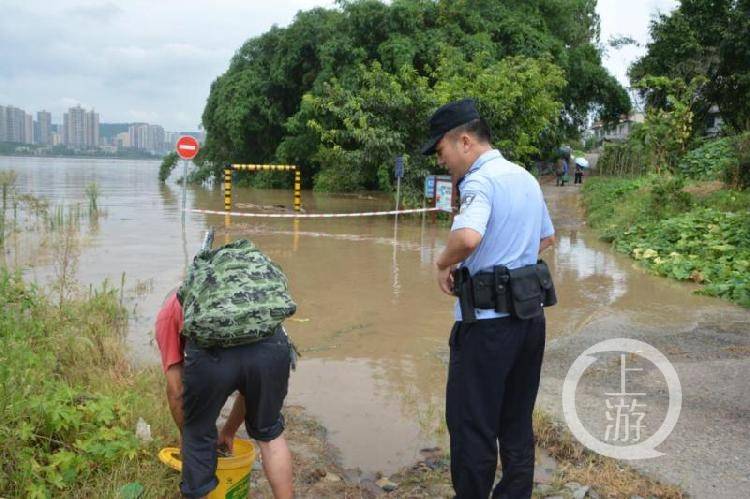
707 38
667 130
351 135
518 96
260 108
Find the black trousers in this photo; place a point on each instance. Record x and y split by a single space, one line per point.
260 371
493 380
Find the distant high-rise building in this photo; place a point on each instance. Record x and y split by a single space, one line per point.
138 135
45 127
3 124
80 127
15 124
28 129
172 138
147 137
73 124
156 137
92 129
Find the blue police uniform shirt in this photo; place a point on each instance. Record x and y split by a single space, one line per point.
504 203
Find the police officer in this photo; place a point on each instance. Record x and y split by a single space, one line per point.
495 357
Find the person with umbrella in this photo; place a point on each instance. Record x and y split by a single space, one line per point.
581 163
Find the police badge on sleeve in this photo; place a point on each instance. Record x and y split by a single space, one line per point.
466 201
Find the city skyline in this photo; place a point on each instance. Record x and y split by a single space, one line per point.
80 129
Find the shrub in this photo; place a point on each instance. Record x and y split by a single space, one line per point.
706 240
167 165
668 198
703 245
709 161
69 399
627 158
737 173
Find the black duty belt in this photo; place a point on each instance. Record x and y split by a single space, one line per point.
521 292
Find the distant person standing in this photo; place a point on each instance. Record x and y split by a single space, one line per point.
497 341
561 172
578 175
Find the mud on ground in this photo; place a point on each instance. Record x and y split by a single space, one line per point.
317 473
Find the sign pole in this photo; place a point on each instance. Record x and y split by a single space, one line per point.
398 192
424 213
187 148
399 173
184 187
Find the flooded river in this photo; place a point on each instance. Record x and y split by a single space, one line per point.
371 323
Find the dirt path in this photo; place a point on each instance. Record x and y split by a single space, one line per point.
707 341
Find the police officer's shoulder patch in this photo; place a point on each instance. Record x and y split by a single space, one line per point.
466 200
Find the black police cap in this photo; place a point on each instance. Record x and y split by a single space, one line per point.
448 117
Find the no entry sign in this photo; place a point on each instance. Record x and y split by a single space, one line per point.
187 147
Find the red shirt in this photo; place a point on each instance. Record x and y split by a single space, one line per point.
168 337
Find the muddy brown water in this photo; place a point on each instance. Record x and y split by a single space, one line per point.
372 324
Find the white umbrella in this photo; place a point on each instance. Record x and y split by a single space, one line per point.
581 161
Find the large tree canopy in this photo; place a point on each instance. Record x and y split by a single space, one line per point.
342 91
704 38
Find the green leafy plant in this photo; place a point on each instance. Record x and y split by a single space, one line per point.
667 130
68 398
653 219
92 194
167 165
628 158
710 160
737 174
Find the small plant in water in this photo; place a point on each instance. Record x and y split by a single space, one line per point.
92 193
7 182
66 249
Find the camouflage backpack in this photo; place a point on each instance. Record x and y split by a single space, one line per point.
233 295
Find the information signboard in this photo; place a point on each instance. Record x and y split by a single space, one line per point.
443 194
429 186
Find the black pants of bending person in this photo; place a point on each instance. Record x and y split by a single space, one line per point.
260 371
493 380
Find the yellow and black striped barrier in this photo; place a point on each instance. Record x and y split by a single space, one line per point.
240 167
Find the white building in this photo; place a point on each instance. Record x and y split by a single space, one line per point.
3 124
14 129
28 129
80 127
146 137
45 127
615 131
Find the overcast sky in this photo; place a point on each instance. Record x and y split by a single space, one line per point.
154 61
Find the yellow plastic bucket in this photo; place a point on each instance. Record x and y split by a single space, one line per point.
233 472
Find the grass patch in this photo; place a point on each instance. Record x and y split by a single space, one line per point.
687 231
609 477
69 399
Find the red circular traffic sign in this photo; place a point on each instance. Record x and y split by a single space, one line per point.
187 147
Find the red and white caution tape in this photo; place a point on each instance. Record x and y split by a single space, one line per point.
312 215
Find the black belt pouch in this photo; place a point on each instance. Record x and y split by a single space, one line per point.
526 292
484 296
548 287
